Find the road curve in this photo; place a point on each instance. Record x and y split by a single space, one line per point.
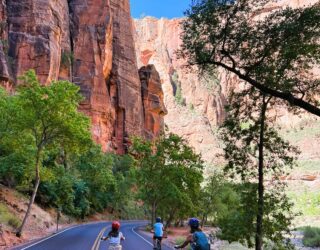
87 237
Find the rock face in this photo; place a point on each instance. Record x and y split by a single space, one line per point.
195 106
89 42
199 101
152 96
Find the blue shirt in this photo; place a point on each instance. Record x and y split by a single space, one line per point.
158 229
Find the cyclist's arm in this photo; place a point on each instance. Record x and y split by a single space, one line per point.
187 241
122 237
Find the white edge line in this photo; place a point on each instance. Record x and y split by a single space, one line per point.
56 234
141 237
38 242
99 236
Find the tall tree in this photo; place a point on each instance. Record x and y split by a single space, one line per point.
169 172
275 51
256 154
50 114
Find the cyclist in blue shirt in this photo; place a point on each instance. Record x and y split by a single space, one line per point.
157 231
197 239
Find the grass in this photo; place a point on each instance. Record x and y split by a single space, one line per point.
234 246
8 218
307 201
180 240
308 166
307 129
311 237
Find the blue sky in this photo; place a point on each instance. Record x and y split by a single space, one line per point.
159 8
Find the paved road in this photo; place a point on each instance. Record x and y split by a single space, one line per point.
87 237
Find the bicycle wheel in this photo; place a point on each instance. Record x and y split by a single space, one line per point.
158 245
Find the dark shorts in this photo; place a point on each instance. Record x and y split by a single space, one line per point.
157 237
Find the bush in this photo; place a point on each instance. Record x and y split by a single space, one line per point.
180 240
14 222
311 237
7 218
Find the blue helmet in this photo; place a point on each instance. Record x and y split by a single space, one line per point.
158 219
194 223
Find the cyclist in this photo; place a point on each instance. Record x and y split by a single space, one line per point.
197 239
157 232
114 236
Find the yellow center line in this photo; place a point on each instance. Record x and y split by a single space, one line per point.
96 244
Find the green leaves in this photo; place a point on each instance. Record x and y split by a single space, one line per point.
51 113
274 50
257 158
168 172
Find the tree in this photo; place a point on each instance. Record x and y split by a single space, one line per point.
218 198
50 114
256 154
15 159
168 172
124 199
276 54
95 169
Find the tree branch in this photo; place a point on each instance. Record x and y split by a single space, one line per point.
287 96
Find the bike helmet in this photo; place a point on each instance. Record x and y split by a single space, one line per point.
194 223
115 225
158 219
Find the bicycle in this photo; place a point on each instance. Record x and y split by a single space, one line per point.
157 245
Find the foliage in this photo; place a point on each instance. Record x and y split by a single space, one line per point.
95 169
177 90
307 200
311 237
50 113
180 240
305 130
124 199
7 217
169 172
218 198
238 223
67 59
256 158
92 182
210 80
48 139
233 36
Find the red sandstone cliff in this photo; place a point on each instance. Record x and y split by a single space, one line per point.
199 101
194 107
152 96
89 42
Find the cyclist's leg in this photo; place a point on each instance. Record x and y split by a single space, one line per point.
154 241
119 247
159 242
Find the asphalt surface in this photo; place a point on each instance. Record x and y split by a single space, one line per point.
87 237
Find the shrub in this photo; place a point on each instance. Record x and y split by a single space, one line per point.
177 90
180 240
8 218
311 237
67 59
14 222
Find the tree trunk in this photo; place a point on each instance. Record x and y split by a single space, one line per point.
34 193
203 221
170 219
153 213
259 229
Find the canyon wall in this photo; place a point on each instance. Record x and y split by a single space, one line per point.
196 103
88 42
152 96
